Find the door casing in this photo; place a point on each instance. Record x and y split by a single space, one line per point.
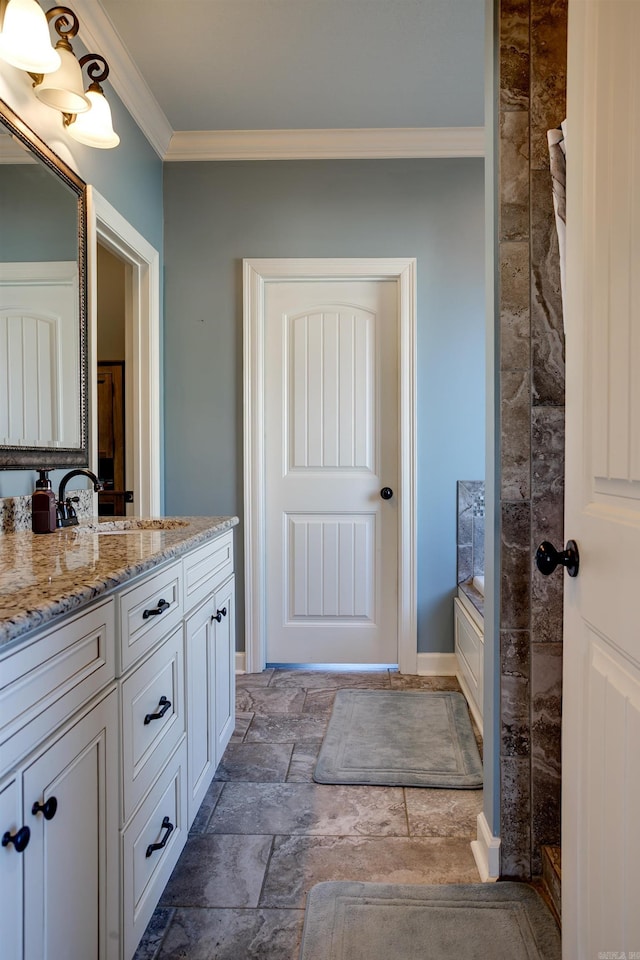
142 348
256 274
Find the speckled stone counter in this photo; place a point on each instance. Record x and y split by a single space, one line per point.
43 577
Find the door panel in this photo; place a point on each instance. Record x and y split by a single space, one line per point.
601 704
330 566
66 873
331 415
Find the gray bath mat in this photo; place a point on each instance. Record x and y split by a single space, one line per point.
379 921
408 738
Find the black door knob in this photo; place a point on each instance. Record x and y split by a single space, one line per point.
548 558
386 493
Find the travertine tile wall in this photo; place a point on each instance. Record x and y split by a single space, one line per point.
533 54
470 530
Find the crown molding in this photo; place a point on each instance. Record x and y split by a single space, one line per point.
339 144
98 34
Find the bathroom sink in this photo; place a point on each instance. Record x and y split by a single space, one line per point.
130 525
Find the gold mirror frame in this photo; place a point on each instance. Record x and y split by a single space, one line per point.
19 457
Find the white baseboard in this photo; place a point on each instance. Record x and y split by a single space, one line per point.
486 852
437 665
241 662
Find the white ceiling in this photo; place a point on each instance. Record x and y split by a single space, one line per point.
303 64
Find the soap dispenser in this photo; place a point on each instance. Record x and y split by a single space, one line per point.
43 505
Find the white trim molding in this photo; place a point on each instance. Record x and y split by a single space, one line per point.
241 662
142 347
437 665
257 273
98 33
340 144
486 851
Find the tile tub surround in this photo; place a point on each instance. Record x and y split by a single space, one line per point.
46 576
470 540
470 529
266 833
532 54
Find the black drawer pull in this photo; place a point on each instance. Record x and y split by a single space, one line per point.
166 825
47 809
219 614
20 840
164 705
156 611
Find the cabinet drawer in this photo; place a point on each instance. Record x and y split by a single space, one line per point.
43 681
148 612
145 693
206 568
144 877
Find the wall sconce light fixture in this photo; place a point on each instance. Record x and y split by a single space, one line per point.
57 74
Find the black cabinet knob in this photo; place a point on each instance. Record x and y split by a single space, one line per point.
386 493
548 558
47 809
20 839
219 614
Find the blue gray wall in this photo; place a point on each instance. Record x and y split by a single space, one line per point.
218 213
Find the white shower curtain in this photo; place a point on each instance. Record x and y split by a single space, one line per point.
557 140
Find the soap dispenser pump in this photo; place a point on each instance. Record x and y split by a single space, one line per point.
43 505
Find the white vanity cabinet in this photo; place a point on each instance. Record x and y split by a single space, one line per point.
177 682
112 722
58 795
469 648
70 907
210 656
11 862
152 730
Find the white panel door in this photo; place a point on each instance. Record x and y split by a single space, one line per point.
331 445
601 713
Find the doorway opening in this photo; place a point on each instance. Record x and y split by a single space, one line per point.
113 428
131 319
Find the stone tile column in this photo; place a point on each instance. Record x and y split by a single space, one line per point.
532 61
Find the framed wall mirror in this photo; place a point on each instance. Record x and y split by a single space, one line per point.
43 304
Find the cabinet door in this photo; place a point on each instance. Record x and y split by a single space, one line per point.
201 674
71 872
225 654
11 864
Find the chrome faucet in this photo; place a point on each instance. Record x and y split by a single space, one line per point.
65 510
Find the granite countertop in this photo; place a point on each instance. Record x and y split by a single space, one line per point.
44 576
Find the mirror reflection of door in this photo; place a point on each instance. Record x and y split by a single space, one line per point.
111 383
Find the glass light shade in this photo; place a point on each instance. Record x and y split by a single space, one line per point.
25 42
64 89
95 128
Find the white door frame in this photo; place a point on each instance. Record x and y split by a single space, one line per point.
142 348
256 274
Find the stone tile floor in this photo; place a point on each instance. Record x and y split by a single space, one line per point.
266 833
